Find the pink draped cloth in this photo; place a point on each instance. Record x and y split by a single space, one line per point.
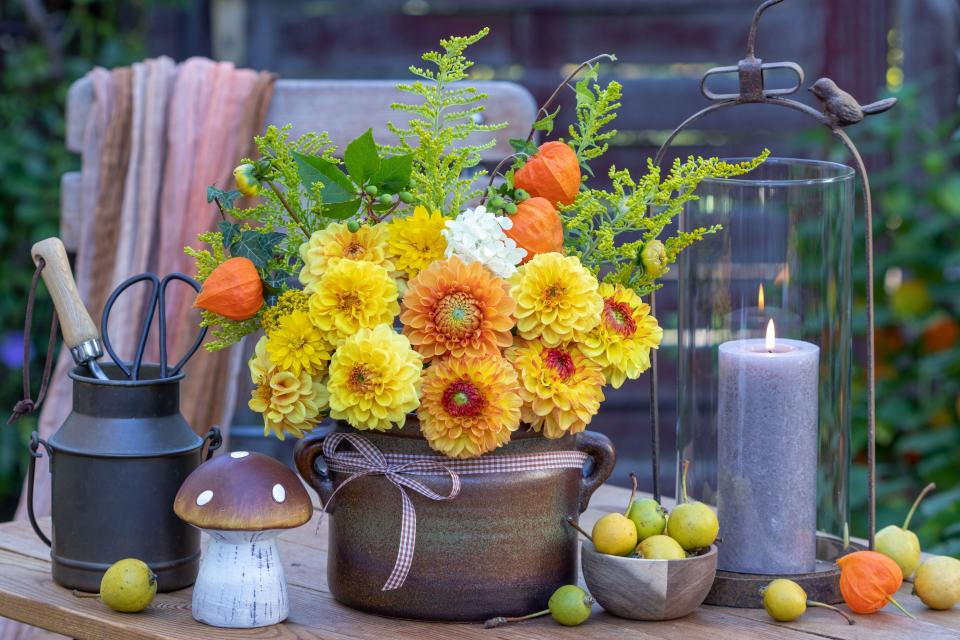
158 133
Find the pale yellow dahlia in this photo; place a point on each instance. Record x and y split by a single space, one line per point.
470 406
374 379
458 309
297 345
557 299
621 342
290 403
351 296
561 388
416 240
329 246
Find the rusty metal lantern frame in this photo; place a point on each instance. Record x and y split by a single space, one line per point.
752 91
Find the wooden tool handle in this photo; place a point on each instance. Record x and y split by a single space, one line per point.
75 321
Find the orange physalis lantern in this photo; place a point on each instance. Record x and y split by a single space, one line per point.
233 290
536 228
553 173
868 581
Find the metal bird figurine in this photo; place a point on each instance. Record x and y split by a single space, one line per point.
842 108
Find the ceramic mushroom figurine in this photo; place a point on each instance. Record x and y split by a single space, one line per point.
243 500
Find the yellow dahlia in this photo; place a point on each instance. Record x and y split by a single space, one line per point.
622 341
288 302
561 388
470 405
297 345
415 241
557 299
350 296
290 403
458 309
374 379
329 246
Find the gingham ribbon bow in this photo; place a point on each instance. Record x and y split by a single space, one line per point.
367 460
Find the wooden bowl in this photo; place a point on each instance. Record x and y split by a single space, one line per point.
641 589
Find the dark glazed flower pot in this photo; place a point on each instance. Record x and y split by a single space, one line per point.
501 547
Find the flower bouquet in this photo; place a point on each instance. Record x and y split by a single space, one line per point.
399 284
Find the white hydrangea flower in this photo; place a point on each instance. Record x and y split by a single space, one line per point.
476 235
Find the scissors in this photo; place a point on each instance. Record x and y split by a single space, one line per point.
157 299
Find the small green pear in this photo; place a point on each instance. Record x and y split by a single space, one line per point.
614 534
660 547
899 543
648 516
693 524
786 601
569 605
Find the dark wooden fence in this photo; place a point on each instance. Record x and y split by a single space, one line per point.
663 47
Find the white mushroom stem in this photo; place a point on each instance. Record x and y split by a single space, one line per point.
241 582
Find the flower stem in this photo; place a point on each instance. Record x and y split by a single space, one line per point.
683 483
814 603
286 205
493 175
633 492
543 111
573 523
900 606
916 503
499 621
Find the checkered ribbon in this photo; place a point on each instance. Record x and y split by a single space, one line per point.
367 460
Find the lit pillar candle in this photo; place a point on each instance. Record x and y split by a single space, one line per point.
767 455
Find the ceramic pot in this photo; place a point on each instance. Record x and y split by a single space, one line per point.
501 547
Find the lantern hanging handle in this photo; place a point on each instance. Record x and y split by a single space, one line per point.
750 71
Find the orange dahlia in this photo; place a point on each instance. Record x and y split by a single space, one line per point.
459 309
469 406
561 388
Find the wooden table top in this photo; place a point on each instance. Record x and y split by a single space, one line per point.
28 594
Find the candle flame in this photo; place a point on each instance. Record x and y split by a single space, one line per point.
771 340
760 300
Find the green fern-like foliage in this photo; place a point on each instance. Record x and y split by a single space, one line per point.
596 108
640 208
445 115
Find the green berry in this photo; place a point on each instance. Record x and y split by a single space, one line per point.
353 226
371 190
510 208
386 199
406 197
497 202
520 195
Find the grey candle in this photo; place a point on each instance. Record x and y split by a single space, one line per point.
767 455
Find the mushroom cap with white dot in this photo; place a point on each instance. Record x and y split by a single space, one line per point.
243 491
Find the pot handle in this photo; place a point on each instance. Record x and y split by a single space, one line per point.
35 442
604 457
305 456
213 439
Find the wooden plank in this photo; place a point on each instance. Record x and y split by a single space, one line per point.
27 593
347 108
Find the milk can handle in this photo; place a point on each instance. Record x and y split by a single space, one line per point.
604 457
35 442
305 456
215 439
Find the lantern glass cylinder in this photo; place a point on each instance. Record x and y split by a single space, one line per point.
767 432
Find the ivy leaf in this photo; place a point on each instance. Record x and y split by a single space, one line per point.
341 210
337 187
224 198
585 96
229 230
361 158
521 146
545 123
394 173
274 281
256 246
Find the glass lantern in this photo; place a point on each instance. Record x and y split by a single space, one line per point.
765 351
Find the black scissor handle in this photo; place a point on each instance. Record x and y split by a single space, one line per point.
131 370
165 369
